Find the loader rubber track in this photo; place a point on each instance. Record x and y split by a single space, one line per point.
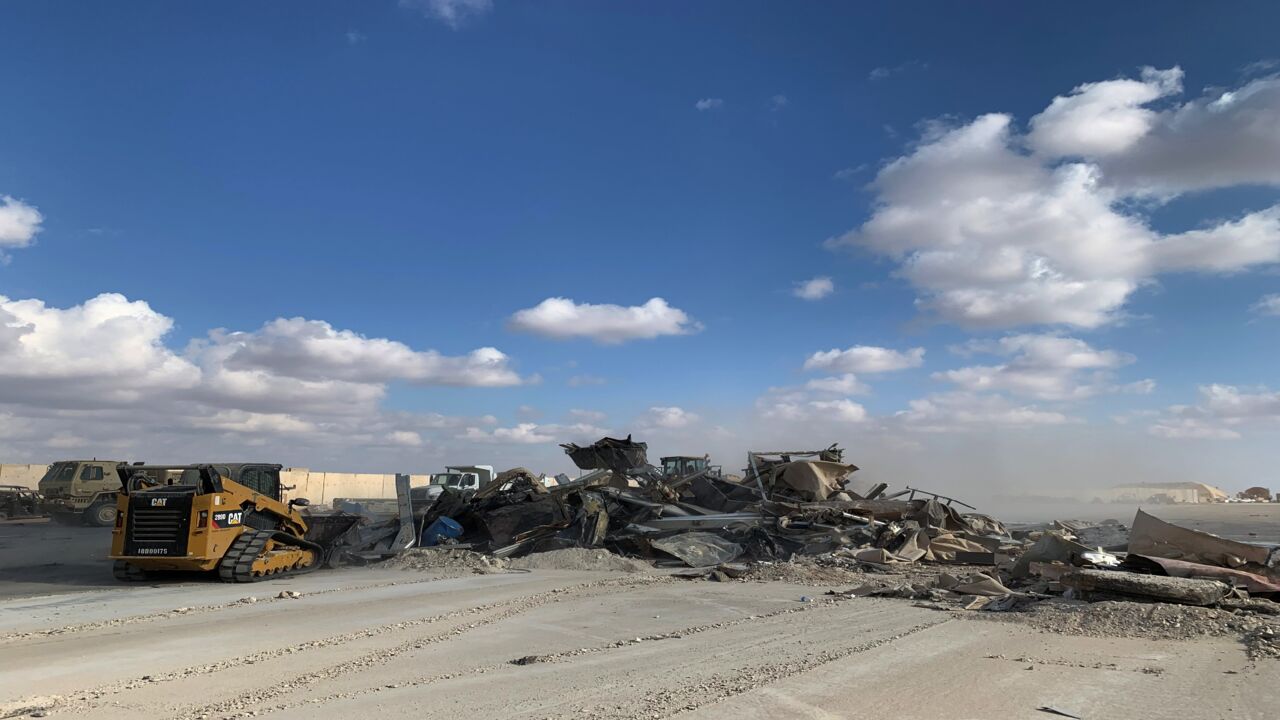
237 564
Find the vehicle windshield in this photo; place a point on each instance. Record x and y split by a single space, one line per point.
447 479
59 472
684 466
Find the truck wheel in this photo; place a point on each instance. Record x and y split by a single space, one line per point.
101 515
127 573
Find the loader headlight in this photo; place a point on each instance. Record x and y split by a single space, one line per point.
203 519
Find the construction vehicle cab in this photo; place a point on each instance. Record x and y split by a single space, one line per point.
227 518
681 466
466 479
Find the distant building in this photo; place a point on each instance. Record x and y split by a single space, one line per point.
1170 492
1256 494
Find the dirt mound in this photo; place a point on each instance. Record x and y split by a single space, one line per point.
578 559
1155 621
443 558
803 572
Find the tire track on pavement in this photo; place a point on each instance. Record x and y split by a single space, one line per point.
88 699
196 610
559 657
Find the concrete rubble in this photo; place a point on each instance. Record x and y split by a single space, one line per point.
793 515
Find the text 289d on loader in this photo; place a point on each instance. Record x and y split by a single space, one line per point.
224 518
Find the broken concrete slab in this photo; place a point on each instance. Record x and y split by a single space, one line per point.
1157 588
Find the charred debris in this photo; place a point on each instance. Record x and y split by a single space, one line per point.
796 506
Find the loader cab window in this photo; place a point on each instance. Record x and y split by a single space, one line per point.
91 473
262 481
681 467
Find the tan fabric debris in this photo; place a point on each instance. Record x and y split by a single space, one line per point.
976 584
915 548
943 548
817 479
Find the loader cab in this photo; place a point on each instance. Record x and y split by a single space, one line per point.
261 478
679 466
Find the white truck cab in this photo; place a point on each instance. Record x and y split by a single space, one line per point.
463 478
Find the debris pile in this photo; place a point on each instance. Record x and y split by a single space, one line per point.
794 515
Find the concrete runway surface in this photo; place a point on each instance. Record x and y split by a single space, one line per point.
382 643
401 644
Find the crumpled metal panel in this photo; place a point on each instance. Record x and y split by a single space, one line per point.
698 549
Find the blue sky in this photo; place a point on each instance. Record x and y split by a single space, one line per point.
410 176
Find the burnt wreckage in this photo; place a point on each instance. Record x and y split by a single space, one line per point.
799 506
788 503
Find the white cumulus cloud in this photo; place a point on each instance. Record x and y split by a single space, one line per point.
1045 367
562 318
407 438
991 235
864 359
1102 118
1223 139
842 410
101 374
669 417
521 434
709 104
19 223
529 433
814 289
106 350
314 349
792 405
846 384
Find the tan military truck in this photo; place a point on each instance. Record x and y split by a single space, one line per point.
81 491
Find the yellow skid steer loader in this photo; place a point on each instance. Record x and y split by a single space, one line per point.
226 518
